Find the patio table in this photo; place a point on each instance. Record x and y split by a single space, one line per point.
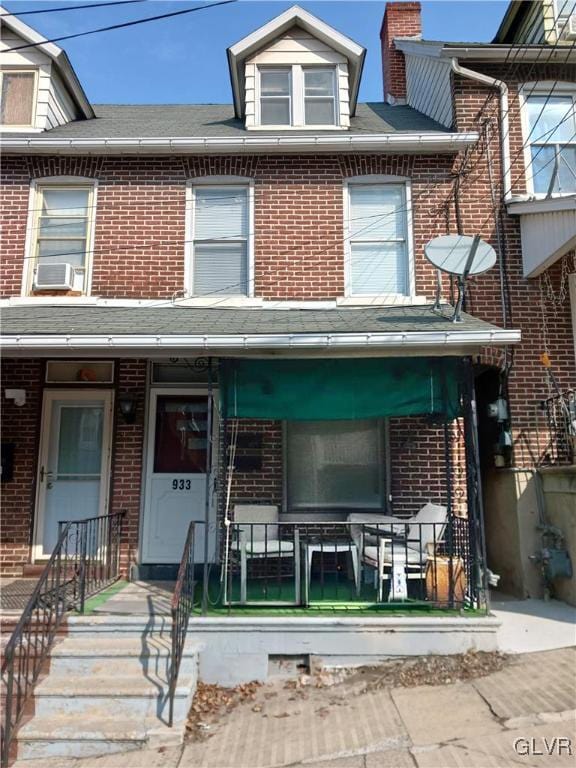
312 548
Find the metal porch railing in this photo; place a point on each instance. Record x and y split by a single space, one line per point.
86 559
348 563
560 414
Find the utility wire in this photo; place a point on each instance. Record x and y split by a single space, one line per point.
71 8
120 26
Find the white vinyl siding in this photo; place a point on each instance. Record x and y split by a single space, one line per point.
220 240
378 249
333 464
551 123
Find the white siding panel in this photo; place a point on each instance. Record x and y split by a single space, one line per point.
62 105
546 237
428 87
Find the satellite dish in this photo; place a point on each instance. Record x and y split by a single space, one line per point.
459 255
450 253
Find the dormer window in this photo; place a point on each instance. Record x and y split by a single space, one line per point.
18 97
298 96
275 97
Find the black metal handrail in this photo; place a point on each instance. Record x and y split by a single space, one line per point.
86 559
560 412
182 604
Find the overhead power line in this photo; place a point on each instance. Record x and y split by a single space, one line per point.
124 25
72 8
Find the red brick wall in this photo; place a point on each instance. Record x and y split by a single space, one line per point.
19 425
139 248
400 20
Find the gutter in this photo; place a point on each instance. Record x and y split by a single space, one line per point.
68 342
493 82
430 141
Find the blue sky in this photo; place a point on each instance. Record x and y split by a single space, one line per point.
183 60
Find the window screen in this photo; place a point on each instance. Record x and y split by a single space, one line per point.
220 241
334 464
17 105
378 248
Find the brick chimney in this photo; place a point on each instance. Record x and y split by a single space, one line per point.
400 20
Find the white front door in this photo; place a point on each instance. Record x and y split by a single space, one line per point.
176 476
74 466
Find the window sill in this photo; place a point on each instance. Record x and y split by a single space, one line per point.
379 300
221 301
296 128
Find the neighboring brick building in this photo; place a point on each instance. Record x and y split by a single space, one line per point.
246 219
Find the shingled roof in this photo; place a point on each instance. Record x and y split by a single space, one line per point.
207 120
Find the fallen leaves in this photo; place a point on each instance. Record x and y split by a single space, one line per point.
212 701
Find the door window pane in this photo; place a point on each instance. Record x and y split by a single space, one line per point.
180 439
17 107
80 443
334 464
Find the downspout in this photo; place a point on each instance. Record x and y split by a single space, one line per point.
493 82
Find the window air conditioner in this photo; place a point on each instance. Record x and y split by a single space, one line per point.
54 277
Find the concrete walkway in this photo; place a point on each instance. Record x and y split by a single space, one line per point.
474 724
529 626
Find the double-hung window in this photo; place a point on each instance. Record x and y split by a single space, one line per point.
275 96
298 96
551 125
319 96
220 240
377 249
333 464
61 230
17 99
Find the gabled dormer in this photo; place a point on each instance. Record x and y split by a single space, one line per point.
39 88
296 72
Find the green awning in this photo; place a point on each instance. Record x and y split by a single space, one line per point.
348 388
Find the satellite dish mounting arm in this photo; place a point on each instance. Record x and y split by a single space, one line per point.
457 316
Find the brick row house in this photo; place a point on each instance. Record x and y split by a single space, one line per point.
258 268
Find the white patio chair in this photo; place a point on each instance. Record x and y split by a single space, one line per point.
407 554
260 542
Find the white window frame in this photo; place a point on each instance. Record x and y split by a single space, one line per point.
34 211
27 71
290 95
384 479
392 298
540 88
297 96
229 182
334 73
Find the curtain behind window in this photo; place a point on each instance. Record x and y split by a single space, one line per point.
17 98
334 464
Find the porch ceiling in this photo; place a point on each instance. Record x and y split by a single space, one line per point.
137 331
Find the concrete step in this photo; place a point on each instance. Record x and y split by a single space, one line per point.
128 696
81 654
73 736
125 626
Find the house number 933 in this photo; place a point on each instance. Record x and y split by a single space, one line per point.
181 485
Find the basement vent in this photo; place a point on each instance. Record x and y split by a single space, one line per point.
54 276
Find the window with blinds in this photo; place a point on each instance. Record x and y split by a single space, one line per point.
17 102
220 241
377 237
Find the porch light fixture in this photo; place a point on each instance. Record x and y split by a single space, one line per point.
127 404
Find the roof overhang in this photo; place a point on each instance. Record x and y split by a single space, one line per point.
548 231
58 57
452 342
480 52
429 142
294 16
